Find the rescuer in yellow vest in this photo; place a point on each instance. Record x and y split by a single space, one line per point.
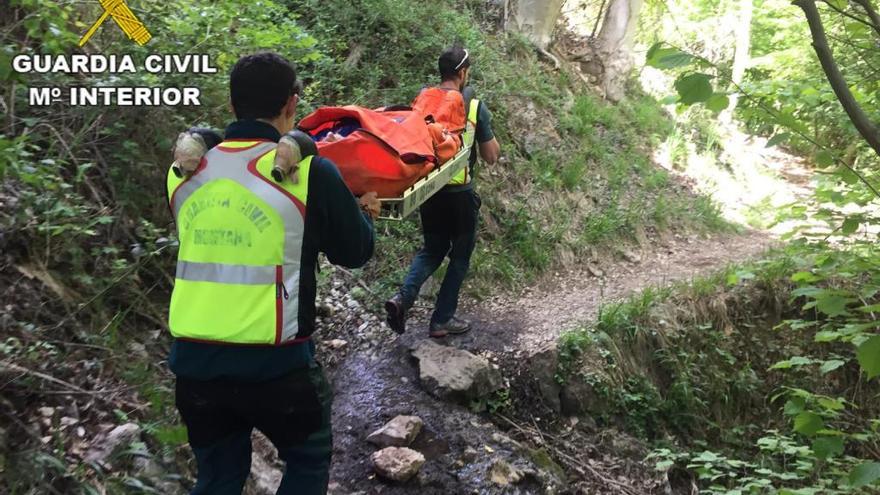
449 218
243 308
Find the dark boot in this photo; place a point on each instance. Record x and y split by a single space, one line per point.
396 313
455 326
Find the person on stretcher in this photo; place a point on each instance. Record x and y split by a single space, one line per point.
385 150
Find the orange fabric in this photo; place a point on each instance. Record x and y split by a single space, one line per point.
445 106
445 144
389 153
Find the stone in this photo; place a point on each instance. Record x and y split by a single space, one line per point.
325 309
542 367
579 397
595 271
505 440
337 343
454 374
399 432
469 455
397 463
147 468
503 474
544 461
630 256
108 446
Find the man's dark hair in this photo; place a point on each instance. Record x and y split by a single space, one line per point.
261 84
452 60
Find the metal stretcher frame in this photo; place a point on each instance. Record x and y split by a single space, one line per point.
414 196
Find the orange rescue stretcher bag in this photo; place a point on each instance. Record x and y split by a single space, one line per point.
383 150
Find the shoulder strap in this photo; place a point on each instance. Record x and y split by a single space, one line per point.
468 93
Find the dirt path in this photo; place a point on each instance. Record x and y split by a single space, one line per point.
378 381
523 322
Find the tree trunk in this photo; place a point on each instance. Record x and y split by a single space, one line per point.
743 36
613 47
536 19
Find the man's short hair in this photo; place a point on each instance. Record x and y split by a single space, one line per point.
452 60
261 84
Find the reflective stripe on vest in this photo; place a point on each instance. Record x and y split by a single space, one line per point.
241 235
468 138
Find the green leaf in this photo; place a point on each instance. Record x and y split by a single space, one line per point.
718 102
662 57
807 277
777 139
865 474
694 88
790 363
850 225
869 356
732 279
831 365
825 447
824 159
838 4
707 456
808 423
833 305
794 406
831 404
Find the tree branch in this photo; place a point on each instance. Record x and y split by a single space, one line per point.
860 120
847 14
859 50
598 19
775 114
872 13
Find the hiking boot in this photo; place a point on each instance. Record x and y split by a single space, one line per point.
395 311
455 326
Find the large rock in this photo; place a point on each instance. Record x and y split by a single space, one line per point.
455 374
399 432
579 397
397 463
542 366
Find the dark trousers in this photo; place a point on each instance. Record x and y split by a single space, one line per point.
449 225
293 411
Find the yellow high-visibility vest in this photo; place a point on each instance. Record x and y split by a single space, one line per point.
467 138
241 236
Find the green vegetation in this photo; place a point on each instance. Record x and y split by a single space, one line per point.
87 242
759 379
700 365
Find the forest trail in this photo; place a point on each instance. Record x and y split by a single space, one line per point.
371 388
375 378
524 322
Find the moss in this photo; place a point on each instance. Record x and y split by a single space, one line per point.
542 459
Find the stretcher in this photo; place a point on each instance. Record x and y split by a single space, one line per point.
414 196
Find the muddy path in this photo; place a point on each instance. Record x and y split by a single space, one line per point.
375 379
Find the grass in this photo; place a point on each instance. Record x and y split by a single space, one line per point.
684 350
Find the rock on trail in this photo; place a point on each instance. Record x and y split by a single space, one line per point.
454 374
399 432
397 463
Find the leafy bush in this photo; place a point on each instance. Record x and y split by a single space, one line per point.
766 375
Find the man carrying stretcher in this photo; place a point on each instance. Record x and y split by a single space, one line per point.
449 218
